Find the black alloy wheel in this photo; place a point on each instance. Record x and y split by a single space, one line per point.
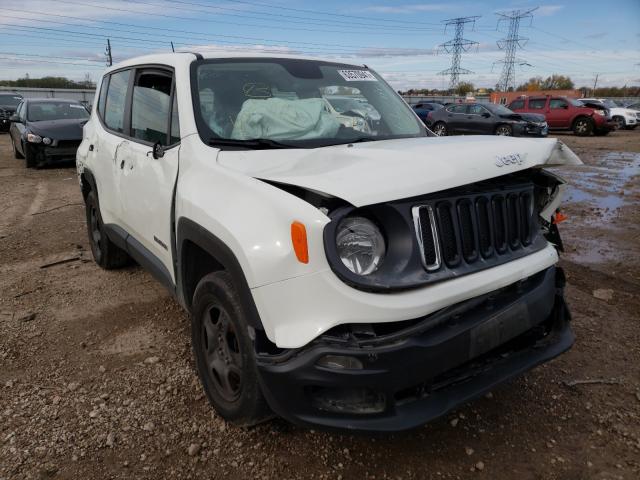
504 130
440 129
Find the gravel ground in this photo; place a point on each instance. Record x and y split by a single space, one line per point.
97 378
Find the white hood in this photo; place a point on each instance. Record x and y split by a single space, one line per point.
374 172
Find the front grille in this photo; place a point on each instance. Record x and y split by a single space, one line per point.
475 227
6 113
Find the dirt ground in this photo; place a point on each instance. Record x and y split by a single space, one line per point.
97 378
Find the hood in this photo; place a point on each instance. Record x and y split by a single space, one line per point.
374 172
70 129
527 117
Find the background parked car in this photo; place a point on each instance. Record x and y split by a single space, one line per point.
8 104
624 117
486 119
47 130
566 114
424 108
634 106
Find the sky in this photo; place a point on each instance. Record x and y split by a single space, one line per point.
399 39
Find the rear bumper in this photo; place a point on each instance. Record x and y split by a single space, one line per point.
425 369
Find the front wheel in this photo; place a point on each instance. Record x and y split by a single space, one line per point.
583 126
224 353
16 153
504 130
619 122
440 129
29 157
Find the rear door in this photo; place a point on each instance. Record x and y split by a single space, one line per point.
147 183
456 118
558 113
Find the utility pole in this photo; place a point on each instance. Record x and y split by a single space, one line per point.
107 52
456 47
173 49
510 44
595 83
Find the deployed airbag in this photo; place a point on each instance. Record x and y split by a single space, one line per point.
282 119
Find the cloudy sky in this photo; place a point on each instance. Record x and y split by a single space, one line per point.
399 39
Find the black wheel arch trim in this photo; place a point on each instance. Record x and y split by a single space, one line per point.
188 230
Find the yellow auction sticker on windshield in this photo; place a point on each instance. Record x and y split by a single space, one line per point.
357 76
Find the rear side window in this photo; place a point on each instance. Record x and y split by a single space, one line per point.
556 103
150 107
103 94
116 100
517 104
457 109
537 104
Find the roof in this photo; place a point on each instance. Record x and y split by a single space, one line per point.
51 100
182 59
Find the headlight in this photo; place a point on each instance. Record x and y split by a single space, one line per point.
360 245
599 112
33 138
46 140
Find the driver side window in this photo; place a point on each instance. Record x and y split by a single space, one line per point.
150 106
557 103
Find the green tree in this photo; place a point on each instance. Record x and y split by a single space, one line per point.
557 82
464 87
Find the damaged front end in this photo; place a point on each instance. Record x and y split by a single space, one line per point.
399 375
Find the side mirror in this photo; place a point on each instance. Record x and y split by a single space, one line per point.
486 114
14 119
158 150
565 106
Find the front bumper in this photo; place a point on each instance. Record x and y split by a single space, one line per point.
424 367
532 130
49 154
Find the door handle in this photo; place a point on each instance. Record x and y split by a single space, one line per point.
91 148
121 164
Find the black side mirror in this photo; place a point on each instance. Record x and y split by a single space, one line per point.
158 150
14 119
486 114
565 106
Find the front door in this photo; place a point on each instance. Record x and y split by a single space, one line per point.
146 183
558 114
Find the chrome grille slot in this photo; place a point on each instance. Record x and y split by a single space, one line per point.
475 230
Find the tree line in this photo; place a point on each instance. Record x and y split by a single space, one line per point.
552 82
49 82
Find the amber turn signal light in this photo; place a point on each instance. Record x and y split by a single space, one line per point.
559 217
299 241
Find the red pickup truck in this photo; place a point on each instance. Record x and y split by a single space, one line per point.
566 114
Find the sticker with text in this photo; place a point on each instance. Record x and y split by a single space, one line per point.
357 76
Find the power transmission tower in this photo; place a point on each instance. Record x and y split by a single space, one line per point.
107 52
510 44
456 47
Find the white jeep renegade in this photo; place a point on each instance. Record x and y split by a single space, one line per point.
342 266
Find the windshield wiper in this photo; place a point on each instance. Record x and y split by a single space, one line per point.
253 144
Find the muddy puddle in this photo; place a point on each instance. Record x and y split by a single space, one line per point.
596 200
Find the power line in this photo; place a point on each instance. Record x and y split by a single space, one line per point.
510 44
456 46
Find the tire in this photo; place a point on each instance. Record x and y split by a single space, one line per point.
504 130
16 153
619 122
29 157
582 126
440 129
224 353
105 253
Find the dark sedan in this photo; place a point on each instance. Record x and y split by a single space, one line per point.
486 119
45 131
8 104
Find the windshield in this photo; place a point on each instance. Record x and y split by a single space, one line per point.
41 111
498 109
10 100
296 103
610 103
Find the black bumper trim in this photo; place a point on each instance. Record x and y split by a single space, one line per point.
445 366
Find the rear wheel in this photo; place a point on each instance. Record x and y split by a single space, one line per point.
504 130
224 353
583 126
440 129
105 253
